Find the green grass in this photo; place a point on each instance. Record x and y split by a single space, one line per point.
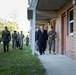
20 62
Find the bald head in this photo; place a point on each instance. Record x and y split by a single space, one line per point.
41 27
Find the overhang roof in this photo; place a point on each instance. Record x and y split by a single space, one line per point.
45 6
50 4
41 17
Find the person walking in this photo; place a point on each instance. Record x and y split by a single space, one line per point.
51 39
6 37
27 40
21 40
18 40
42 38
14 40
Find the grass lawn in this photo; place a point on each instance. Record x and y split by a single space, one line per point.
20 62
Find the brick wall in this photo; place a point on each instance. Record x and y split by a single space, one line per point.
70 40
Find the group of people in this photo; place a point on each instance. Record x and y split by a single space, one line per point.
42 37
17 39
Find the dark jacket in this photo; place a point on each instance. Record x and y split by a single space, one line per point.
36 33
42 37
6 36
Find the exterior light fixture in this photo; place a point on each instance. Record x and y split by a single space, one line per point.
30 14
74 2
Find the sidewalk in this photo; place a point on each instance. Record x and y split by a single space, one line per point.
58 64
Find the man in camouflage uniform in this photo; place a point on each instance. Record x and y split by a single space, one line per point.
27 40
6 37
21 40
14 40
18 39
51 39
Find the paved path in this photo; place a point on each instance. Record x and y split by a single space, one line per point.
58 64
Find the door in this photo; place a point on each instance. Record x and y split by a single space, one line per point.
63 33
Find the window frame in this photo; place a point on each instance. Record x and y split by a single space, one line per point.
69 23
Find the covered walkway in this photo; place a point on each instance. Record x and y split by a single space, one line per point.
57 13
58 64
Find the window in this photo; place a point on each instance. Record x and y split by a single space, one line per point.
70 22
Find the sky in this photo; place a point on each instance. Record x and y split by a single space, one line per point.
15 10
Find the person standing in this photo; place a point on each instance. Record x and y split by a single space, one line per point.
14 40
6 37
18 40
36 43
51 39
21 40
42 38
27 40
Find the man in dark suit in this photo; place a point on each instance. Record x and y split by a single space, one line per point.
42 38
6 39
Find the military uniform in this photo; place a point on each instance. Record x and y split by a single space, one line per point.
6 39
14 40
27 41
51 40
21 40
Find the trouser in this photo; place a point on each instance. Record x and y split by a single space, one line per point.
14 44
17 44
52 45
36 46
42 47
21 44
27 43
6 46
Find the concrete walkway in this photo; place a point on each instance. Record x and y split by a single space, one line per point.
58 64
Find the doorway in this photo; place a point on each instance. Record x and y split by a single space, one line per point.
63 33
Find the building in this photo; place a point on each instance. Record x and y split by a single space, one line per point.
62 15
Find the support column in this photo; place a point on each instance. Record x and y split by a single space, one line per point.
33 26
33 30
31 34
